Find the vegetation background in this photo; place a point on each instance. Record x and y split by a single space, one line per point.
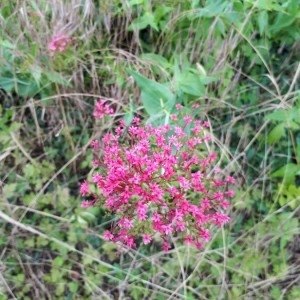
238 59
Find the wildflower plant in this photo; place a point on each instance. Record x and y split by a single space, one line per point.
59 43
158 181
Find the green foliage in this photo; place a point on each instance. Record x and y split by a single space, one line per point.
157 98
237 59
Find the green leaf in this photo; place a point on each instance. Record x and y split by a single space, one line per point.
73 286
57 78
276 134
221 26
287 173
278 115
7 84
143 22
129 115
29 171
264 4
289 195
9 190
288 117
263 22
136 2
156 97
191 84
161 11
215 8
58 261
156 59
7 44
36 72
282 21
298 149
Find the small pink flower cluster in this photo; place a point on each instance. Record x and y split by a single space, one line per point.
59 43
102 109
158 180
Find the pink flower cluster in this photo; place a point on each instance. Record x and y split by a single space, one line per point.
102 109
59 43
159 182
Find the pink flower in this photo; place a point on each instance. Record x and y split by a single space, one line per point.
84 188
125 223
156 217
168 229
95 144
230 179
206 124
229 193
59 43
165 246
108 236
224 204
85 204
178 106
157 181
187 120
220 218
184 183
189 239
180 226
146 238
204 234
136 121
174 117
199 245
102 109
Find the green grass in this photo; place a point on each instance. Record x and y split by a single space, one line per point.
239 61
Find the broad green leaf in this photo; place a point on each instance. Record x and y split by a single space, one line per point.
73 286
292 125
129 114
56 77
156 59
29 89
136 2
29 171
213 9
36 72
221 26
143 22
276 133
128 117
282 21
287 173
289 196
9 190
7 84
278 115
161 11
263 22
264 4
7 44
298 149
58 261
156 97
191 84
290 117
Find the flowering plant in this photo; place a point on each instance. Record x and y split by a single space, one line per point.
158 181
59 43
